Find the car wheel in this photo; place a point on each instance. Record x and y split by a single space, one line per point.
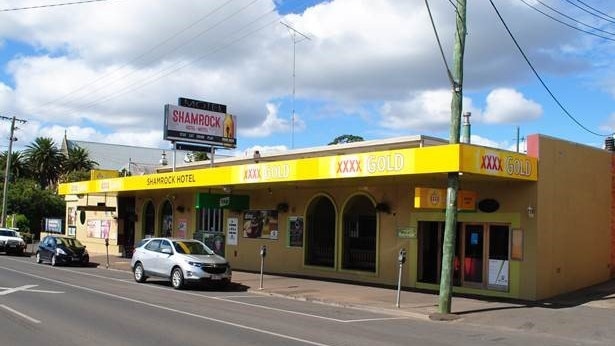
177 278
38 257
139 273
54 261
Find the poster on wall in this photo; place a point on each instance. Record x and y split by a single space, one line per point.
295 231
72 213
232 224
498 273
93 228
182 228
262 224
105 229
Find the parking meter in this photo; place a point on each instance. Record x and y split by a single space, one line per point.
401 258
263 254
107 248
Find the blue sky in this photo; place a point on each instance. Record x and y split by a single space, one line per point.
103 71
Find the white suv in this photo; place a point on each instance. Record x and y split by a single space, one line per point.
11 242
181 261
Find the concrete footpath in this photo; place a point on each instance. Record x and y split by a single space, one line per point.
587 316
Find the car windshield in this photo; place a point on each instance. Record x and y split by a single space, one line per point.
70 242
7 233
191 247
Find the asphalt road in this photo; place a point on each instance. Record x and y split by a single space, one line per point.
44 305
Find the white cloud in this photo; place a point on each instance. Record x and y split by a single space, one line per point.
424 111
105 70
509 106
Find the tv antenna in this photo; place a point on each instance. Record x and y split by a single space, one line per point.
302 37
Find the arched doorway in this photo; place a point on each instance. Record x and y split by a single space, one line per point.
149 220
359 234
166 219
320 233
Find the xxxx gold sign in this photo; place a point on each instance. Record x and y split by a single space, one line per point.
438 159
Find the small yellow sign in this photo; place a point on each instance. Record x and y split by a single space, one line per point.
429 198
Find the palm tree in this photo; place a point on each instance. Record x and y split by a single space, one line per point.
45 160
78 160
19 168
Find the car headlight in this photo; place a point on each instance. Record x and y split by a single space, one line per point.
60 252
195 264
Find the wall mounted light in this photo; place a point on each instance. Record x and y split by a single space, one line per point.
530 212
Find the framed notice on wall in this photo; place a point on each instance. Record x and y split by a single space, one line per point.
516 245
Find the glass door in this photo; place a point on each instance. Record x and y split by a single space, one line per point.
473 245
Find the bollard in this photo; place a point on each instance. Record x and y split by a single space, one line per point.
401 259
263 253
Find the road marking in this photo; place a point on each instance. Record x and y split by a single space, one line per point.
157 306
255 295
22 315
27 288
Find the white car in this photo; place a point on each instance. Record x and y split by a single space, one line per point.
181 261
11 242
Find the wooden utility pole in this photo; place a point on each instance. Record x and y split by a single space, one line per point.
7 169
450 226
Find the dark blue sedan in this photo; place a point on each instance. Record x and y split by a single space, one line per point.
57 249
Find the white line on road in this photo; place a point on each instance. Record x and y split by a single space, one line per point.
225 299
22 315
157 306
16 289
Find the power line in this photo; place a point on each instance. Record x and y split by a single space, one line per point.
602 15
433 25
564 23
573 19
133 60
49 5
540 79
180 65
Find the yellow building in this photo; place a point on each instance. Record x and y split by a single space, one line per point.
530 226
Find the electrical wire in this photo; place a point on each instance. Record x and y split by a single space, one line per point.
527 60
606 15
573 19
49 5
178 66
433 25
566 24
82 88
599 15
186 41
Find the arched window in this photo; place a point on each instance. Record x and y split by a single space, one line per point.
320 233
149 220
360 234
166 219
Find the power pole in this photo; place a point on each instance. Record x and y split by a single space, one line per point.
450 226
8 166
294 34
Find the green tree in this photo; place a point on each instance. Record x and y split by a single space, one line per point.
78 160
199 156
19 167
45 160
346 139
27 197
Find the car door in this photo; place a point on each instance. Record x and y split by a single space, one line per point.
46 249
149 257
165 260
